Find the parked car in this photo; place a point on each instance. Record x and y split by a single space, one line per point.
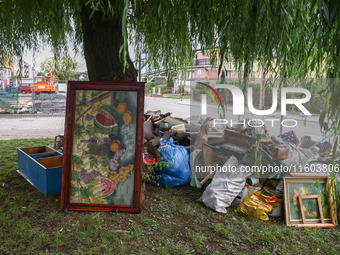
25 88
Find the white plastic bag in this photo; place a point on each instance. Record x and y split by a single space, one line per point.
225 186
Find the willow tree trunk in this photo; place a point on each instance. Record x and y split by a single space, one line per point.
102 40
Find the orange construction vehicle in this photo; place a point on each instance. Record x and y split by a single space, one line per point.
45 83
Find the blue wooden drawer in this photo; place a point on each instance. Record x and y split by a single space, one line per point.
42 167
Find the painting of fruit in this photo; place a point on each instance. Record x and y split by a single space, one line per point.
104 122
121 108
127 117
103 155
115 145
107 187
105 118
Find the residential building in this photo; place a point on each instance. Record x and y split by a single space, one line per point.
203 67
25 70
5 76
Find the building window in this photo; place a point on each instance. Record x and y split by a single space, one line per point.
199 74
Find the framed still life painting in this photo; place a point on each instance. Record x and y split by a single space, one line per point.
103 147
307 202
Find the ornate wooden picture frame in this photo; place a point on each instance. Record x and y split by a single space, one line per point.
316 209
102 161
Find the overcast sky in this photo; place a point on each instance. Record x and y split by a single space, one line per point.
46 52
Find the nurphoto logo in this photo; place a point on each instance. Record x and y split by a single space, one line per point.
238 106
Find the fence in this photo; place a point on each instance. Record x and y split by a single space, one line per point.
165 91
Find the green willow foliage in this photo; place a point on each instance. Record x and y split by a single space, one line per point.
30 24
303 35
289 38
248 30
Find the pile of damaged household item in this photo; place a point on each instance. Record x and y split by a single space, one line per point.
226 164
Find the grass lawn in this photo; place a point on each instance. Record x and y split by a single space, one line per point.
171 222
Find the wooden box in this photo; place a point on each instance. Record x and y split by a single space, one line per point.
42 167
236 144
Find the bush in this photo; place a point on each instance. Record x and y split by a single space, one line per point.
156 84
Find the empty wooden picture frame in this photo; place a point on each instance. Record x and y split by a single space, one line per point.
305 187
103 147
319 207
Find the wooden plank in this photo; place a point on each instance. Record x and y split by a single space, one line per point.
239 139
326 225
332 197
301 211
209 154
310 175
51 162
38 149
320 210
210 175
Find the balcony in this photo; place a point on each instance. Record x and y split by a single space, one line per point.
205 62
